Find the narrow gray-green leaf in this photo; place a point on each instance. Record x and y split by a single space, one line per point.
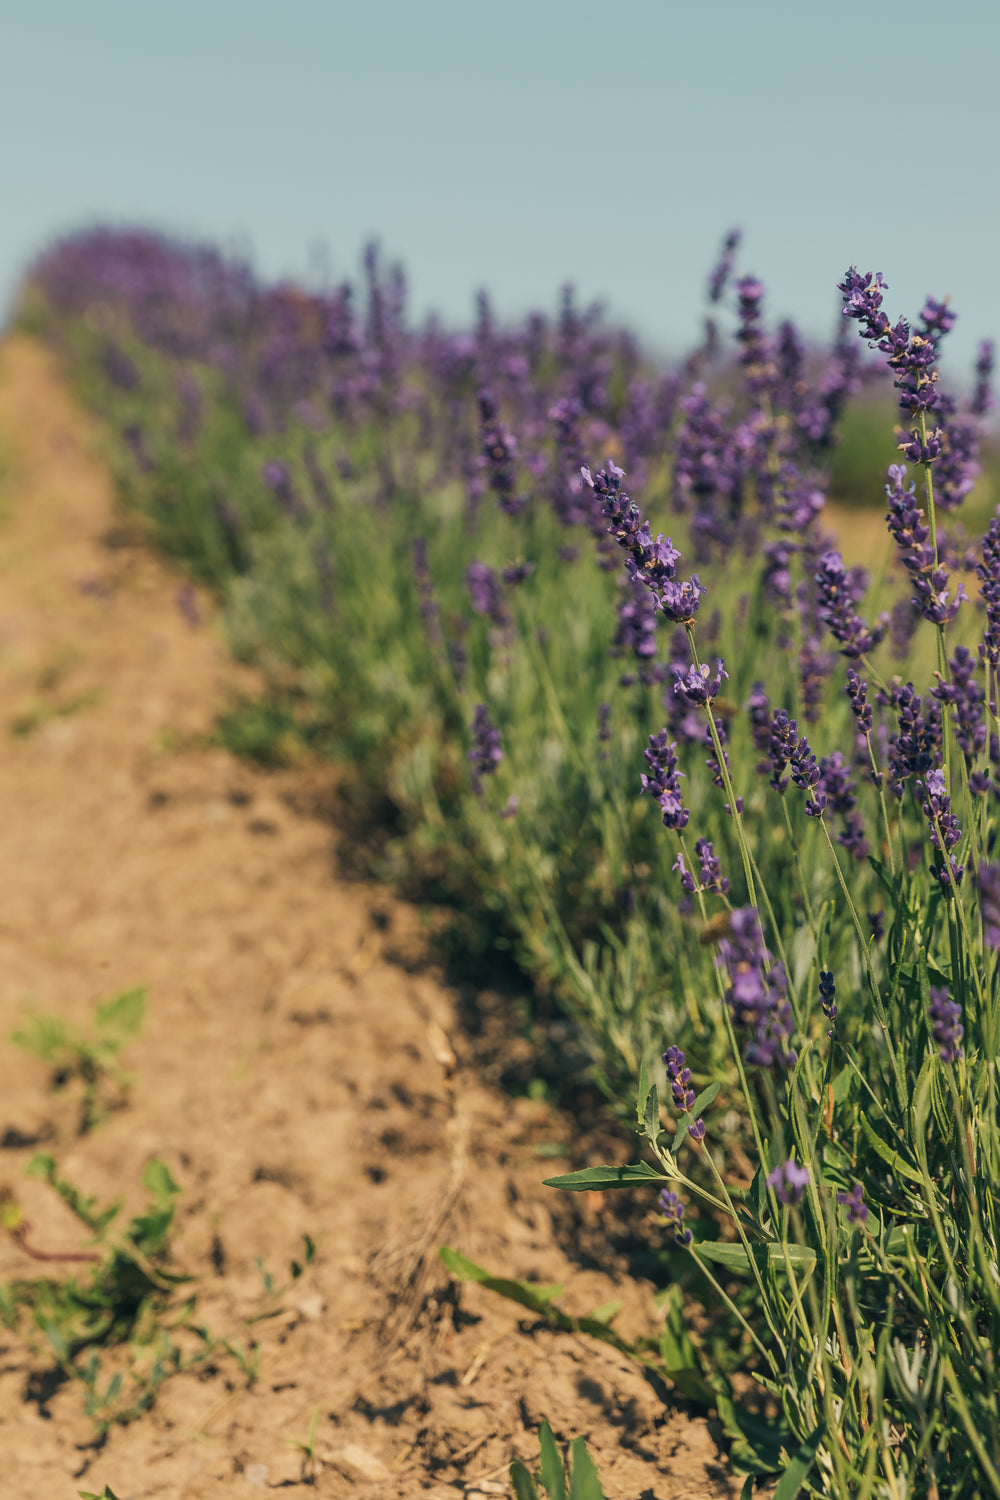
601 1179
585 1483
551 1472
792 1479
734 1257
524 1485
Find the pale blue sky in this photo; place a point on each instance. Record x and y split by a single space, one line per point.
524 143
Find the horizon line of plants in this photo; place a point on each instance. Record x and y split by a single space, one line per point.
733 802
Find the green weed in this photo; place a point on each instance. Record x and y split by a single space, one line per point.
87 1057
579 1482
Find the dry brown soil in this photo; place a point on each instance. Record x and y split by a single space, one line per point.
302 1071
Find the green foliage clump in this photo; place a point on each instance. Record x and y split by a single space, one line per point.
90 1058
581 1482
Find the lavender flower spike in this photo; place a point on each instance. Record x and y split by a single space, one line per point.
757 995
789 1182
671 1205
486 752
787 749
662 783
857 1208
944 829
928 577
499 455
684 1096
651 562
723 268
945 1017
838 592
828 994
988 882
697 686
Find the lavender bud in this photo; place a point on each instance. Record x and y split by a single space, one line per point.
945 1017
789 1182
670 1205
853 1201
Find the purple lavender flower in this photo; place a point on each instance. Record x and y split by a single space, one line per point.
945 1016
723 268
910 355
944 830
688 882
278 480
486 752
760 721
788 1182
958 467
636 632
486 594
710 873
936 319
650 562
696 686
755 350
776 577
988 883
712 762
839 593
857 692
814 668
828 994
784 736
965 696
515 573
758 992
499 453
857 1208
671 1205
788 749
837 785
988 572
982 396
567 490
916 748
903 622
662 782
679 1076
119 368
706 472
928 576
806 776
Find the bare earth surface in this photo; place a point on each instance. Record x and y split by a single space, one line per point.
301 1072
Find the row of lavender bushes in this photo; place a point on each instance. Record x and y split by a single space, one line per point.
732 802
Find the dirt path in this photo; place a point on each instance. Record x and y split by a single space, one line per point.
296 1076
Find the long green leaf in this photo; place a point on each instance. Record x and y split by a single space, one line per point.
603 1179
536 1298
893 1159
791 1480
735 1258
585 1483
524 1485
551 1471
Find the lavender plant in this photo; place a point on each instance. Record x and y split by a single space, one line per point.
728 797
